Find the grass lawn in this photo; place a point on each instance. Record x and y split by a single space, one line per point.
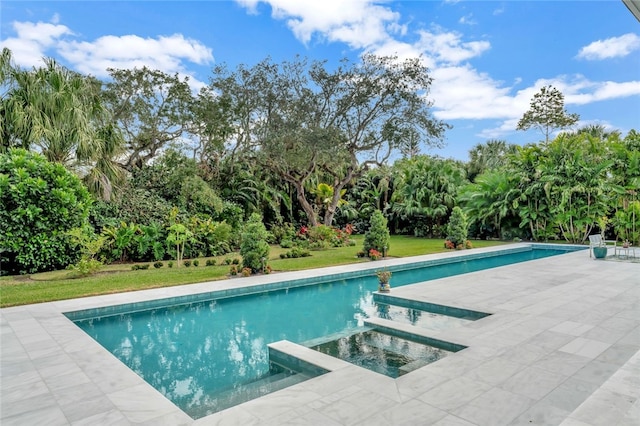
55 285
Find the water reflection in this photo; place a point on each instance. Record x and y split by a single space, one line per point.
203 355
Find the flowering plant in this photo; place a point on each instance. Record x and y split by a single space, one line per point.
383 276
374 254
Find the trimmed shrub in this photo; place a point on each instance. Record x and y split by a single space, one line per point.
246 272
170 264
211 262
187 263
457 228
254 248
158 265
377 237
196 262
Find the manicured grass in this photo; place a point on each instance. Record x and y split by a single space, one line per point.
55 285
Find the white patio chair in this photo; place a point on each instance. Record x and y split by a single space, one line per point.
596 241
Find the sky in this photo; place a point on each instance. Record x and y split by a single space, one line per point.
487 58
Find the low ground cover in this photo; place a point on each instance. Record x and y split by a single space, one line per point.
116 278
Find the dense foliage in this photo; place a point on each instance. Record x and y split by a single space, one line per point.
305 146
40 202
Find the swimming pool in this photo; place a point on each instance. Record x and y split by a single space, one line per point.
199 347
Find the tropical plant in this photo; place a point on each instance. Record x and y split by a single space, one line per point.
40 202
179 236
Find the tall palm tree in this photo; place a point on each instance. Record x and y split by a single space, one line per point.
59 112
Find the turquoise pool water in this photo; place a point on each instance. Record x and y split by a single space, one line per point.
195 352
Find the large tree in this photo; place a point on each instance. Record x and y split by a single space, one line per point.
60 113
298 119
152 109
547 113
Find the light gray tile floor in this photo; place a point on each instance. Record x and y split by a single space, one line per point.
562 346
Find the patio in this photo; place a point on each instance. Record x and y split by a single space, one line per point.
562 347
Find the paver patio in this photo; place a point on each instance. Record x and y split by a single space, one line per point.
562 346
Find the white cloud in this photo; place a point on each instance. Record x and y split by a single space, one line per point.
448 47
467 20
32 40
357 23
614 47
165 53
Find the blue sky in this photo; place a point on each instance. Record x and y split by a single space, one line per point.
487 58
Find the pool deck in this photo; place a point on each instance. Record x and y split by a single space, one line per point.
562 347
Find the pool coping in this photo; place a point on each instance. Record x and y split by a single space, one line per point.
46 359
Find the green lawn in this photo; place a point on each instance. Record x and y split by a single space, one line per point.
49 286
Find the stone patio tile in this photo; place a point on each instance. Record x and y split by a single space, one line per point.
141 403
533 382
50 416
618 353
604 408
89 408
585 347
110 418
303 416
495 407
410 413
562 362
570 394
454 393
572 328
540 414
494 371
452 420
349 410
596 372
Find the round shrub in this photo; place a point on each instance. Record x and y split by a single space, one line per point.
210 262
158 265
196 262
40 202
187 263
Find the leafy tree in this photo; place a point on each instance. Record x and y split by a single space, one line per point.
425 192
151 108
546 113
457 228
488 202
179 236
488 156
254 248
298 119
40 202
377 237
60 113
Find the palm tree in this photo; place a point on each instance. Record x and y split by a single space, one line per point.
60 112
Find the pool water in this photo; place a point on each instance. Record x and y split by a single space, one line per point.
383 353
194 352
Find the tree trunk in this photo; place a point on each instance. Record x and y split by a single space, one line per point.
302 199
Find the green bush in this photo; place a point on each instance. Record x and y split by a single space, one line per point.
158 265
170 264
40 202
254 248
295 253
227 261
210 262
377 237
187 263
286 243
457 228
196 262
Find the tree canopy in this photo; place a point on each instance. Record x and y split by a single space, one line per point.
547 113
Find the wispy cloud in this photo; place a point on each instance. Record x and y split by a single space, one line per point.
613 47
467 20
